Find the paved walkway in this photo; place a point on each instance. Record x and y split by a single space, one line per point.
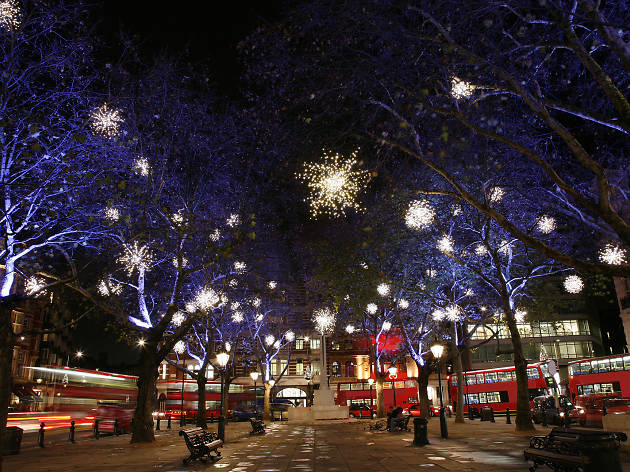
344 447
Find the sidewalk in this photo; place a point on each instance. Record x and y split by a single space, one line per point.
341 446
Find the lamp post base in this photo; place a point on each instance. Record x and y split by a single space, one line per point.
443 426
221 431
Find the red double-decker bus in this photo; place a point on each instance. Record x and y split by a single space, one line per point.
496 388
600 375
359 393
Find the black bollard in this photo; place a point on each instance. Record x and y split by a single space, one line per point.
470 414
157 423
492 415
605 410
71 436
40 435
420 432
508 420
221 430
168 424
482 415
95 429
116 428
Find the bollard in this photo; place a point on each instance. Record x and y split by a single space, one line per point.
605 410
212 417
508 420
95 429
492 415
221 430
420 430
544 419
470 414
40 435
482 415
157 423
450 412
168 424
71 436
116 428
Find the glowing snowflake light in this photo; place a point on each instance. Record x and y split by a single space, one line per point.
240 267
612 254
215 236
371 308
228 347
135 257
383 290
238 316
324 320
333 185
9 15
438 314
191 307
505 247
233 220
419 215
445 244
520 314
272 284
461 89
256 302
207 298
34 286
453 312
184 262
350 329
106 121
233 283
456 209
178 218
469 292
178 318
179 347
495 194
573 284
386 326
259 317
269 339
112 214
546 224
289 336
276 345
481 250
403 304
106 288
141 166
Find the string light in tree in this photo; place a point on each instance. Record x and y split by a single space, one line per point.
240 267
136 257
276 345
324 320
272 284
106 121
403 304
235 305
453 312
461 89
106 288
179 347
10 17
445 244
259 317
178 318
256 302
520 314
573 284
350 329
333 184
112 214
178 218
383 290
505 247
269 339
481 250
141 166
233 220
469 292
495 194
371 308
184 262
419 215
238 316
546 224
233 283
456 209
289 336
431 273
438 314
612 254
215 236
34 286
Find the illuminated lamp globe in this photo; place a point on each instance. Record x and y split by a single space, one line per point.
254 376
437 350
222 359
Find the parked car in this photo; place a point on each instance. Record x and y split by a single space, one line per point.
414 410
361 411
277 404
244 411
108 413
591 407
544 409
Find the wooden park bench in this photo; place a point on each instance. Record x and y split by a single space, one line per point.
400 424
201 444
258 427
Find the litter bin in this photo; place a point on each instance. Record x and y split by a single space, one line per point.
420 432
12 440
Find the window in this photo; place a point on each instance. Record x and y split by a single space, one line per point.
335 369
532 373
410 384
334 346
504 376
608 387
626 362
349 369
470 380
603 366
299 367
359 386
399 384
454 380
344 387
493 397
347 345
315 343
585 367
480 378
482 397
491 377
299 344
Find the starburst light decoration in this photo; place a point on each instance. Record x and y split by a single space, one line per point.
386 326
453 312
419 215
112 214
461 89
106 288
228 347
235 305
191 307
10 15
333 184
240 267
272 284
259 317
184 261
438 314
34 286
136 257
481 250
469 292
289 336
215 236
573 284
431 273
456 209
207 298
371 308
350 329
505 247
233 283
445 244
141 166
324 320
178 318
612 254
178 218
520 314
269 339
106 121
546 224
233 220
403 304
276 345
238 316
179 347
256 302
495 194
383 290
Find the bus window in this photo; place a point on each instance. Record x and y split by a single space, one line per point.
626 362
504 376
482 397
472 398
616 364
470 380
491 377
532 373
594 368
603 365
585 367
504 396
344 386
453 380
357 386
480 379
493 397
606 388
574 369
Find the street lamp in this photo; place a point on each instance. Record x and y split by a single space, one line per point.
437 350
222 360
254 376
371 382
392 375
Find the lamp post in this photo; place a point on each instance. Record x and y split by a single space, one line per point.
371 382
393 371
182 418
254 376
222 360
437 350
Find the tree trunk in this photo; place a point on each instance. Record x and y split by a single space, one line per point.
7 341
201 401
142 430
523 417
423 394
457 364
380 401
226 402
267 404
